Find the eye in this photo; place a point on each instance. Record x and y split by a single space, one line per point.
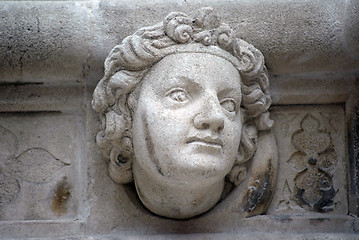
229 104
178 95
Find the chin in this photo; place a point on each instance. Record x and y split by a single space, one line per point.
198 171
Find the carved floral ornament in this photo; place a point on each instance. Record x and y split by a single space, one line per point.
314 159
34 165
184 111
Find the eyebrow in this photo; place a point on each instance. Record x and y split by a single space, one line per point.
237 94
189 81
230 90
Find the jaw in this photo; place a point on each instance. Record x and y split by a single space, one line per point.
177 201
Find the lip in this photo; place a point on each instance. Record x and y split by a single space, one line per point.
206 141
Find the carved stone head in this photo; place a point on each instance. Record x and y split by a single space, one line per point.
183 106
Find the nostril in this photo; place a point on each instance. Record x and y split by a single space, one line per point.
205 125
206 121
200 123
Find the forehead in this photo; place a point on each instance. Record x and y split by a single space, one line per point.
199 67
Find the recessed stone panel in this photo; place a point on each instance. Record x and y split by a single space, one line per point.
312 174
39 166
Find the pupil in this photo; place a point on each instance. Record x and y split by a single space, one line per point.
180 96
229 106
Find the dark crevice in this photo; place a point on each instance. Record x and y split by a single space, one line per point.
29 112
307 104
9 84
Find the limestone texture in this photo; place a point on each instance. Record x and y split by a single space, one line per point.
54 180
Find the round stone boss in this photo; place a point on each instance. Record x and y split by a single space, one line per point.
184 112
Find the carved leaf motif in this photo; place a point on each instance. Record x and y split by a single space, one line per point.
8 144
310 139
298 161
9 187
285 203
327 160
332 118
314 158
315 189
36 165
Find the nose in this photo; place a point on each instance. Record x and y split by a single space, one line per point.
210 117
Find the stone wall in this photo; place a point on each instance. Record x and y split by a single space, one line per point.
53 180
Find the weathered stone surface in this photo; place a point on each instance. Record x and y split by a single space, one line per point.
40 97
51 58
39 173
44 41
294 36
246 235
313 163
352 28
68 40
312 89
352 111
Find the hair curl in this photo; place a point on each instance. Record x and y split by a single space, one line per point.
116 94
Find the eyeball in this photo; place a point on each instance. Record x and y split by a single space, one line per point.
178 95
229 104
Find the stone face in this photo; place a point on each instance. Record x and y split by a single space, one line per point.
183 116
183 135
55 183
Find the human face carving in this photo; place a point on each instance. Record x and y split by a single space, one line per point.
187 123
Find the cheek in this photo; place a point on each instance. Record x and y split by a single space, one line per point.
166 124
232 135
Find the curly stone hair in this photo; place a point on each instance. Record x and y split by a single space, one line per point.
116 94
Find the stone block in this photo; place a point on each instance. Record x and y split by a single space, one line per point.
40 97
44 41
67 41
294 36
54 182
312 175
40 166
352 28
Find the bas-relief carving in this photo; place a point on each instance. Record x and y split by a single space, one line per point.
184 111
313 160
9 185
34 184
312 173
34 165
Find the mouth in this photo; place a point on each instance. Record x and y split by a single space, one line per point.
207 141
